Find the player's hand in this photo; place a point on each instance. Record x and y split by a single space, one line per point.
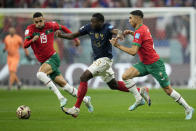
77 42
127 32
114 42
58 33
35 38
120 37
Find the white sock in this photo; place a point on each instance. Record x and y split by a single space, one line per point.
178 98
48 82
130 84
73 91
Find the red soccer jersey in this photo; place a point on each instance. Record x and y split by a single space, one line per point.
43 47
143 39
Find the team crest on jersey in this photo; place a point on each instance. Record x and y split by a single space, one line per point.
137 35
97 35
102 36
26 32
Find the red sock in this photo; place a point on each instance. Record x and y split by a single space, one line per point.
122 87
82 89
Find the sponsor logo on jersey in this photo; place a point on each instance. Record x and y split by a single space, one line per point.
137 35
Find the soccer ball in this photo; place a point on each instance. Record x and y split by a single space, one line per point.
23 112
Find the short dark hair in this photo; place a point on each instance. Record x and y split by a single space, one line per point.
137 13
99 16
37 14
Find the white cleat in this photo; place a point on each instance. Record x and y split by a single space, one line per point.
89 105
137 104
63 102
144 92
189 113
74 111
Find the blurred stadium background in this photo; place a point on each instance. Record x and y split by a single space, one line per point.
171 23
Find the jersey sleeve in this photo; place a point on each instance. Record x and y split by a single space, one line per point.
137 39
84 30
28 33
55 26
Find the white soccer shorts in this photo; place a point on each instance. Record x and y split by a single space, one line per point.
102 67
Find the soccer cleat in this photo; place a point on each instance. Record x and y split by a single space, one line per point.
19 85
63 102
189 113
137 104
144 92
89 105
74 111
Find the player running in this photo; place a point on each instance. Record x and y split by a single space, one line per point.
40 36
100 34
13 42
150 62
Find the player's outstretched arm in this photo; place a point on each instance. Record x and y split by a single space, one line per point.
118 33
128 32
132 51
70 36
66 30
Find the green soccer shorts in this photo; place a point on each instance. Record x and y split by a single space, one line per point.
156 69
54 62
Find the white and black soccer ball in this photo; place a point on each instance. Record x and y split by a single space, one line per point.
23 112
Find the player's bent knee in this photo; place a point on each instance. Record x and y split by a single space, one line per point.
168 90
40 75
125 77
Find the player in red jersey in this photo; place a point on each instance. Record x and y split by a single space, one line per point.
40 36
150 62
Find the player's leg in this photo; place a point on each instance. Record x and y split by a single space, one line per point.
42 75
11 79
120 85
15 64
73 91
11 76
179 99
117 85
82 90
131 85
95 69
159 73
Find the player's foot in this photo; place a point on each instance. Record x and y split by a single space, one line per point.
63 102
74 111
144 92
89 105
189 113
137 104
19 85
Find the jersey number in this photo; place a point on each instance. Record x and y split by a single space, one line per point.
43 38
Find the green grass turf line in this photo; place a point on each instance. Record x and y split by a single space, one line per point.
111 112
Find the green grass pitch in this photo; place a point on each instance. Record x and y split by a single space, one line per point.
111 112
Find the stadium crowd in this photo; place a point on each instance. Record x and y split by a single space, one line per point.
161 32
94 3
